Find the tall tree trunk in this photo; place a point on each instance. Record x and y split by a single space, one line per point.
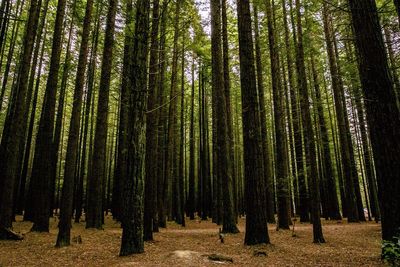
9 149
132 219
122 153
191 204
303 197
66 207
309 141
224 168
327 166
351 201
281 152
150 197
268 174
256 221
171 155
30 123
382 112
161 181
42 163
94 214
85 165
182 173
227 84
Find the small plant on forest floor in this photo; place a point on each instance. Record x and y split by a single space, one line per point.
391 251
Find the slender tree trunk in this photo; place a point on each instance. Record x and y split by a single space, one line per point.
182 174
327 166
150 197
66 207
303 197
191 204
172 152
282 172
351 205
9 149
85 166
161 181
309 141
268 177
94 214
227 84
35 90
122 153
224 168
42 163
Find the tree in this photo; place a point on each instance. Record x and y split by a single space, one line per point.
281 150
132 215
66 207
94 214
41 174
382 111
224 168
9 149
256 223
171 169
268 177
309 141
150 198
351 204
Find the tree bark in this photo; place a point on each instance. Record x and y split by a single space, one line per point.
132 219
256 221
9 149
150 197
224 168
309 141
383 115
66 207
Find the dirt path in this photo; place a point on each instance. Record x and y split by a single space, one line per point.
347 245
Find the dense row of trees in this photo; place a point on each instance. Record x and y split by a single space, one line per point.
155 111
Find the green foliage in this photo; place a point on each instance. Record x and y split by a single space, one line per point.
391 251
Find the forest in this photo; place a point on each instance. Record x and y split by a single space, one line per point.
200 132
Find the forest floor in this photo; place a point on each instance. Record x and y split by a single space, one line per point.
347 245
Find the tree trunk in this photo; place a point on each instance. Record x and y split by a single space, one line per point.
268 174
327 166
161 181
382 112
351 205
132 218
256 221
42 163
9 149
191 204
66 207
94 214
224 168
150 197
281 152
309 141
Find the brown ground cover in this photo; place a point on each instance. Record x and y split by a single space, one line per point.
347 245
